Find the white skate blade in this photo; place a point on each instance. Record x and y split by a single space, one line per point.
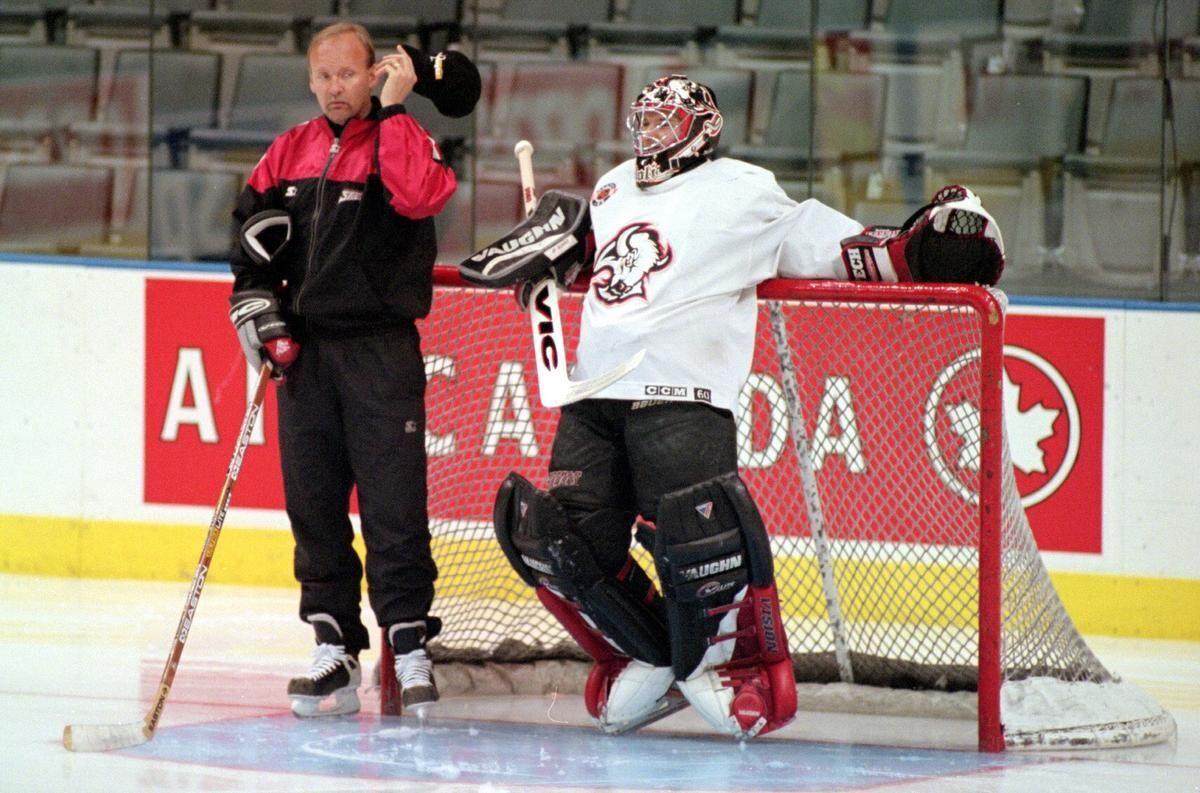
344 702
665 707
104 737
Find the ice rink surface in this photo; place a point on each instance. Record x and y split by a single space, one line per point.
76 651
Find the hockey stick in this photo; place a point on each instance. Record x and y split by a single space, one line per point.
554 386
812 496
103 737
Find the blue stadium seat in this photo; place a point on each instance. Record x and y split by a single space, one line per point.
43 89
663 26
1113 196
23 22
1118 33
182 90
847 137
783 28
271 95
1015 163
927 30
545 25
255 24
129 24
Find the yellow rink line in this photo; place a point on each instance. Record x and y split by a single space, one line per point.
1114 605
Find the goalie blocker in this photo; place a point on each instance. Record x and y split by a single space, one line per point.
952 239
554 240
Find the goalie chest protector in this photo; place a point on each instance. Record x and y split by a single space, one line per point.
675 272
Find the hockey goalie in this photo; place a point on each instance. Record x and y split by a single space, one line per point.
675 241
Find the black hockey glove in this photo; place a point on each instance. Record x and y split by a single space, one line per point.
265 234
952 239
262 331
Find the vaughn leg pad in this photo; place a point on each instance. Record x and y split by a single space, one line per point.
617 620
728 644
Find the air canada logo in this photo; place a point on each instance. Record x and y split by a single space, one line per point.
625 262
1041 418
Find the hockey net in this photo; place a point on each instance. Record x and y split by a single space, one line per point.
905 564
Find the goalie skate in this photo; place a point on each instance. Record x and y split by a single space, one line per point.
669 705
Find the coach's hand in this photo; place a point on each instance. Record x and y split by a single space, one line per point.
262 331
399 77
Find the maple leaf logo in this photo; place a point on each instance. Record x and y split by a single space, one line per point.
1026 430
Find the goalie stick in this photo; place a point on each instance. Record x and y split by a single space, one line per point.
554 385
104 737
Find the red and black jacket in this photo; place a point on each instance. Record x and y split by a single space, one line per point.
362 202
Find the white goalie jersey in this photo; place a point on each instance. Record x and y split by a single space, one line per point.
675 272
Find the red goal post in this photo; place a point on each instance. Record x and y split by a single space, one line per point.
871 435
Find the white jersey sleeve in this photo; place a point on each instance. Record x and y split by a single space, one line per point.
675 273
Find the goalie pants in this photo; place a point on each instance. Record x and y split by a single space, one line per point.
352 413
614 460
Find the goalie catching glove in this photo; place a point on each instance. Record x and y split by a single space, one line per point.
952 239
554 241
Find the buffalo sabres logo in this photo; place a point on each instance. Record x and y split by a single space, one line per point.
603 194
629 258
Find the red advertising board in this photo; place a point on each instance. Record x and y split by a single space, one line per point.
485 418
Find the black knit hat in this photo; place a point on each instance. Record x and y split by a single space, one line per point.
447 79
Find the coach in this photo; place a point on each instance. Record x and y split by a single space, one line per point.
332 265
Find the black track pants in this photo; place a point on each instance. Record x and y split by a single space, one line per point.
352 413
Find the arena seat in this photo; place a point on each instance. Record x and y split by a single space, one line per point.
1016 165
36 216
1113 197
1119 33
782 28
43 89
539 25
657 26
848 132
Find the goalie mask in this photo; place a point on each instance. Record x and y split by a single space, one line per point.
675 125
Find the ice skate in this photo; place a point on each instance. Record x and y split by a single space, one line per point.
330 687
640 694
414 667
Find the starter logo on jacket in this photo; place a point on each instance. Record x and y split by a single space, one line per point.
624 263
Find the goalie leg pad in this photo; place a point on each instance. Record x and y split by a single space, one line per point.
546 548
728 644
617 620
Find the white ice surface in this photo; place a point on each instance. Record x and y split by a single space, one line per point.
91 652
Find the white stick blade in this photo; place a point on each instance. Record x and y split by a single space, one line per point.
104 737
558 392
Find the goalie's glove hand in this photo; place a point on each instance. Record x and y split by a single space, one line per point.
564 277
262 331
952 239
